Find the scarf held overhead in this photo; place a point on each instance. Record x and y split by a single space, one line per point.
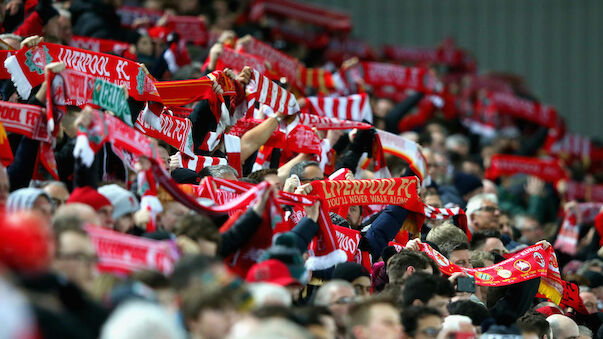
547 170
27 69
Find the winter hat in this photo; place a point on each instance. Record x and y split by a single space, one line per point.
466 183
24 198
350 271
123 201
285 250
548 311
89 196
271 271
26 244
185 176
595 278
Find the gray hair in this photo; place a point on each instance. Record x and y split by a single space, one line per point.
219 171
585 331
324 293
298 169
141 320
477 202
456 140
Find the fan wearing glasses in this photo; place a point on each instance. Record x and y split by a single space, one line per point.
421 322
483 212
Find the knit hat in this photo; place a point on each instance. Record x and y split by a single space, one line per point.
24 198
271 271
185 176
350 271
89 196
285 250
123 201
595 278
466 183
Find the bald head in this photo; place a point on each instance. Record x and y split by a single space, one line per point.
563 327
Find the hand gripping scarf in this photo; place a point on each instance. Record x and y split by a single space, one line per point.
27 69
532 262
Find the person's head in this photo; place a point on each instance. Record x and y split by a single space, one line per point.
505 224
268 174
274 271
75 256
468 185
487 241
530 228
4 186
59 27
422 289
585 332
563 327
590 301
265 293
201 230
534 325
337 295
124 205
405 263
58 192
75 213
219 171
355 274
458 143
208 314
318 320
474 310
141 320
89 196
421 322
458 253
161 150
482 212
172 212
33 199
12 39
374 318
437 167
354 217
444 233
458 323
307 171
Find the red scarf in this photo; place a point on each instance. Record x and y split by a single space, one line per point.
189 28
317 78
383 75
354 107
567 239
30 121
27 69
280 62
530 263
184 92
319 16
574 146
175 131
120 253
405 149
267 92
445 55
324 123
547 170
6 153
199 162
581 191
99 45
129 14
238 60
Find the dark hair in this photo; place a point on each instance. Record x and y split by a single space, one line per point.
196 300
477 312
310 315
478 239
151 278
197 226
298 169
189 266
534 322
260 175
412 315
449 247
423 287
399 262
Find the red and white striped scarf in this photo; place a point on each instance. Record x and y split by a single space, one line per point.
198 162
404 149
267 92
567 239
581 191
99 45
354 107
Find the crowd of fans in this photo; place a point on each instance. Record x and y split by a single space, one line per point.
56 282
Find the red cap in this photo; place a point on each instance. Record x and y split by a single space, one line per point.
271 271
549 310
89 196
26 243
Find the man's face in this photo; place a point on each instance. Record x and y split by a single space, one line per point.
355 216
461 258
428 327
105 215
43 206
164 155
362 285
58 194
312 173
440 303
494 245
65 29
590 301
486 217
213 323
124 223
505 225
274 180
384 322
76 258
531 231
340 302
437 168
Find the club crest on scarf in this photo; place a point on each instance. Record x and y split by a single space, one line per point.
36 58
